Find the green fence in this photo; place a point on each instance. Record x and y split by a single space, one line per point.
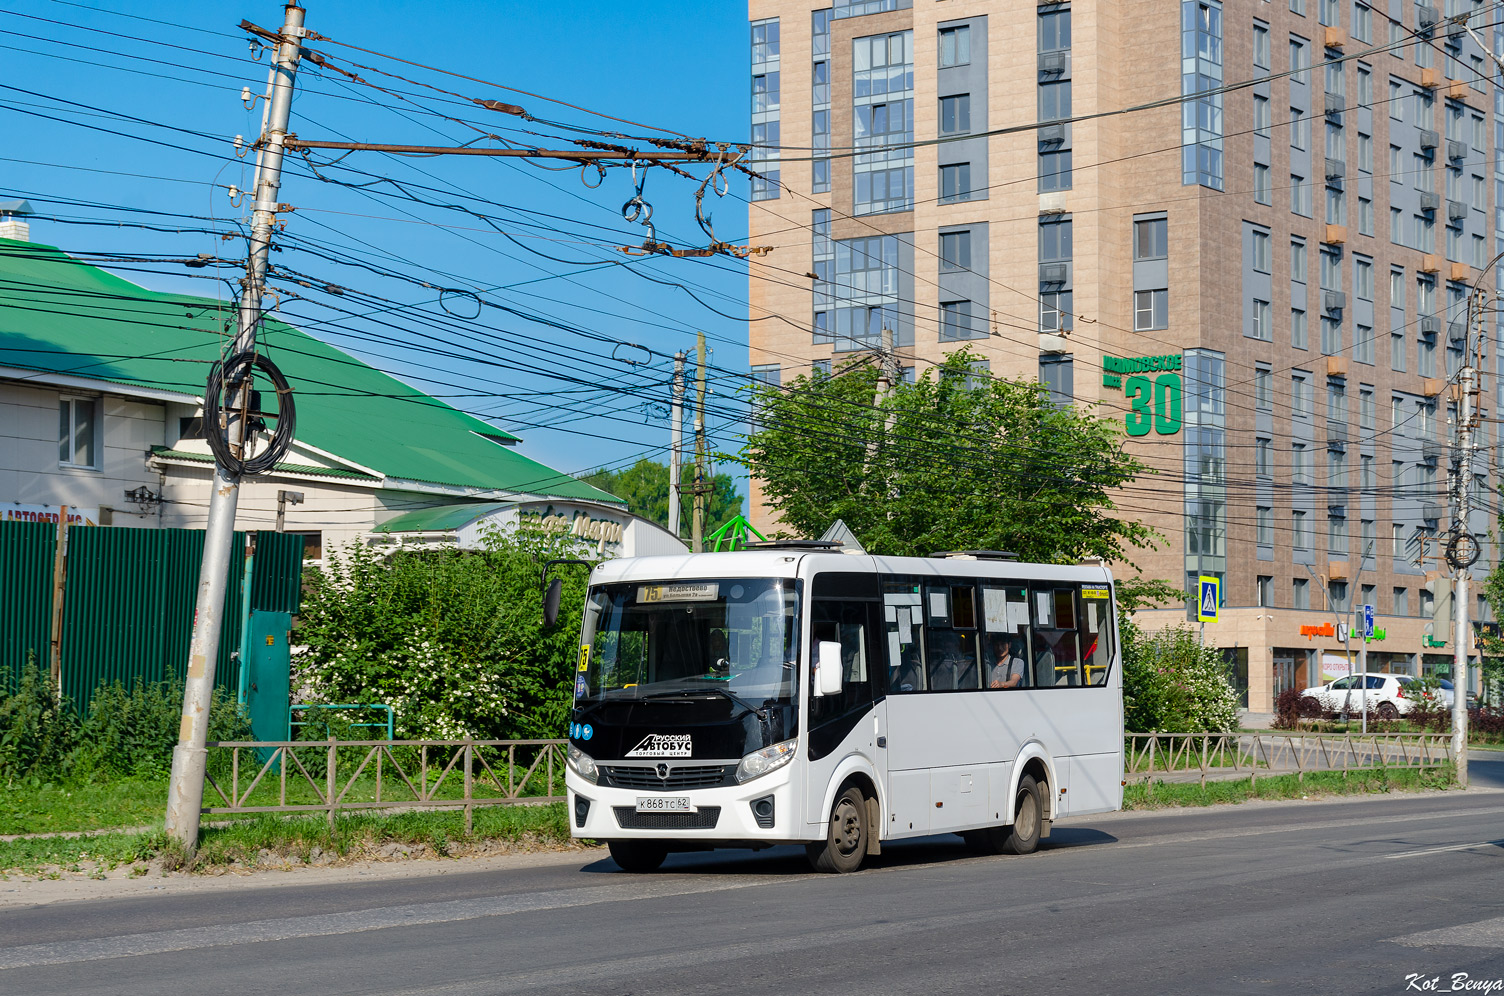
128 600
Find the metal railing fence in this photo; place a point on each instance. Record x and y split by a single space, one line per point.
335 776
1149 754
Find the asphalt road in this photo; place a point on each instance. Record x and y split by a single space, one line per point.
1369 896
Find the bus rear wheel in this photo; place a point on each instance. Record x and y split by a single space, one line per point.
1023 836
845 842
637 855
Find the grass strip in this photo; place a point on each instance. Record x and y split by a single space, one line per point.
1368 781
52 808
272 841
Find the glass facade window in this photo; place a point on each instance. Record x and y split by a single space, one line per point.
763 157
1201 73
955 114
883 122
955 183
856 8
1205 429
820 101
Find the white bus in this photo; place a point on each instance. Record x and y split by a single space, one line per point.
790 696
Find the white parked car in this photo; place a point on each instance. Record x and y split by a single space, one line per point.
1388 695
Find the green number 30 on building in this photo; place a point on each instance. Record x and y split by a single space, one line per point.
1159 403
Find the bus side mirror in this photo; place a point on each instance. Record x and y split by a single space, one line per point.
828 668
551 601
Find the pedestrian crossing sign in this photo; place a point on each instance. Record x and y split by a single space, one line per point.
1211 597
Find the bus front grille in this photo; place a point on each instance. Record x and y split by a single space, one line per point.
630 819
688 776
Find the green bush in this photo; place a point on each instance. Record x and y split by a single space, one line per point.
452 640
1172 683
37 729
131 733
127 733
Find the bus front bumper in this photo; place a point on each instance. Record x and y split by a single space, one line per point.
766 809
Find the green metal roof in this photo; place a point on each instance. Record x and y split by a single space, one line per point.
62 316
311 470
445 518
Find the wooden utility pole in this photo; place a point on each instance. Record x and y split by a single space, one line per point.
676 445
59 584
697 534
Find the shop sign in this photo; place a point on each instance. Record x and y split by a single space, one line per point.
1325 629
16 512
1430 641
1158 403
1378 634
600 531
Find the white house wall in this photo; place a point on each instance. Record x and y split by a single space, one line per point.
30 472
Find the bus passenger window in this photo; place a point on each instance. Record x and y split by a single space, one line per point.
903 613
1005 618
1056 657
1096 630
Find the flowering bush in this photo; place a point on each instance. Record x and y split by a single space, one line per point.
1172 683
452 640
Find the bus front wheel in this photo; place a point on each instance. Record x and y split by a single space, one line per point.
637 855
845 838
1023 836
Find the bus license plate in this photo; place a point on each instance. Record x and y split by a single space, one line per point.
664 804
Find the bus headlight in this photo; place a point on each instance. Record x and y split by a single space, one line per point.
760 762
582 763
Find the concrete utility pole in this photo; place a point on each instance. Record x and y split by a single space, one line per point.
285 498
186 791
1462 548
675 442
697 528
888 374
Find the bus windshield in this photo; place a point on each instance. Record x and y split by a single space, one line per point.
727 638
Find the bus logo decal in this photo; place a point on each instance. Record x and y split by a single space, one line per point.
663 745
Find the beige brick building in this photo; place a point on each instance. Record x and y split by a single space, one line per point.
1248 233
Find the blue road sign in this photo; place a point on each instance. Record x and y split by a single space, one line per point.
1211 598
1367 622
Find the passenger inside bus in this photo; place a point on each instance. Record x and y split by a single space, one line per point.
1008 662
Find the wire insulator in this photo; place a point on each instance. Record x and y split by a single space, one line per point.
236 372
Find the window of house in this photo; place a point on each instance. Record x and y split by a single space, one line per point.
1264 528
1265 588
1261 189
1263 394
1300 395
955 250
78 440
955 114
1299 335
1261 116
955 320
1151 310
1261 323
955 46
1260 251
1151 238
955 183
1300 535
1263 457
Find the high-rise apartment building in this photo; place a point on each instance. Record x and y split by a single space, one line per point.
1247 229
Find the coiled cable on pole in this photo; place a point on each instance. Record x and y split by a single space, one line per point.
235 372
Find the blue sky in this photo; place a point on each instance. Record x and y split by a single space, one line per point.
676 65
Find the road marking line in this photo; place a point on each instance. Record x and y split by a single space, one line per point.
356 921
1483 934
1443 850
1194 836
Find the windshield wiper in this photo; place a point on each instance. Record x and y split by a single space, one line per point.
758 711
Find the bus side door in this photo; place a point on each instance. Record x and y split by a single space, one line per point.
845 609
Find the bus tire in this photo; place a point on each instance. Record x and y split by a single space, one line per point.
1028 815
637 855
845 842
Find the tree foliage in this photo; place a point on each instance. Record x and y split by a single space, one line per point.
957 461
452 640
644 487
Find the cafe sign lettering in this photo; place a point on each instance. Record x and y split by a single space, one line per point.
1153 388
